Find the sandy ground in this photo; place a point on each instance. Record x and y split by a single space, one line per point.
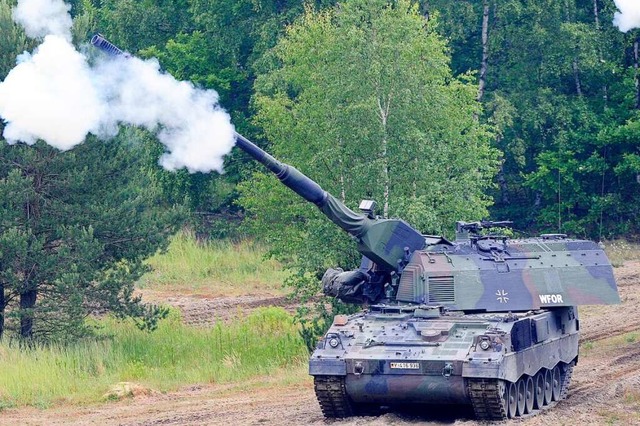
203 310
605 387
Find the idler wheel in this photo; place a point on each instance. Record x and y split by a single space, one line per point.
530 394
557 383
521 397
512 400
548 387
538 401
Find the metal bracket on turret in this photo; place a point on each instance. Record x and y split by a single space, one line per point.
467 230
368 207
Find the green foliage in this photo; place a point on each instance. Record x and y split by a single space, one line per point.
137 24
217 49
315 320
13 40
561 89
219 267
174 355
75 228
380 67
361 98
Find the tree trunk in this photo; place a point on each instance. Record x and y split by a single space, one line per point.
574 65
384 115
635 67
27 303
596 14
2 308
485 49
596 18
576 77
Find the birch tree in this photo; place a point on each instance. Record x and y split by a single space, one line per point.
361 98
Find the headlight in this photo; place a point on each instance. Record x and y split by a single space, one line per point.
334 342
485 344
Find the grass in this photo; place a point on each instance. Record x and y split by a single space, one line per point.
632 397
620 251
609 344
219 268
264 343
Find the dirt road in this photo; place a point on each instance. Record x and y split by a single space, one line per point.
605 387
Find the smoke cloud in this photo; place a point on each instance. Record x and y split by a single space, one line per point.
57 95
43 17
629 16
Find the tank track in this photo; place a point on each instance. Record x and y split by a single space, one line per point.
566 381
489 403
486 398
332 396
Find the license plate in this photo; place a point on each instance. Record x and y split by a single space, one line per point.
406 365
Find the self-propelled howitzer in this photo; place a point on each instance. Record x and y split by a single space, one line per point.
484 320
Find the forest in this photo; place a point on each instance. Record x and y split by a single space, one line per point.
439 110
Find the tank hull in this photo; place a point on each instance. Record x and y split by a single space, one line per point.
388 357
396 390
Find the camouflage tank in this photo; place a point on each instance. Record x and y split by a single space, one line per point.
484 320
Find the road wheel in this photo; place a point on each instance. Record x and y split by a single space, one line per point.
556 383
538 379
548 386
529 394
512 400
522 396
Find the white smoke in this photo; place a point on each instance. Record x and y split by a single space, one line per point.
49 95
629 16
54 94
44 17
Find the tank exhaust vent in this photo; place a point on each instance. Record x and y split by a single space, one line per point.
441 290
406 289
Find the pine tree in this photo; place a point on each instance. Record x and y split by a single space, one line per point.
75 228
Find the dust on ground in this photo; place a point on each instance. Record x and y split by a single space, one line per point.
605 387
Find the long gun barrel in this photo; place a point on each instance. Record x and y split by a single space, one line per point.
288 175
106 46
387 242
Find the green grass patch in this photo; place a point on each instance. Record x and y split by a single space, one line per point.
219 268
609 344
620 251
264 342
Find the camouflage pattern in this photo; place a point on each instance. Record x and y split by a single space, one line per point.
470 316
384 241
496 275
394 354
